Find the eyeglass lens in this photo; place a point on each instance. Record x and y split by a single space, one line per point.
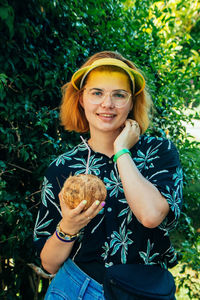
118 97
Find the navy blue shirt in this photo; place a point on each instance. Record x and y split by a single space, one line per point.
115 236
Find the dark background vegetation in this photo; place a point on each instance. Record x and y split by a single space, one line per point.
42 43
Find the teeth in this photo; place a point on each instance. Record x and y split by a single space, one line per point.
106 115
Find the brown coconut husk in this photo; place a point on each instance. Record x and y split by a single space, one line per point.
83 187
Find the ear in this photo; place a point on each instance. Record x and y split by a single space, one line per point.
81 100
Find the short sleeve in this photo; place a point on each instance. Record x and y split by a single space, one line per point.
165 173
49 212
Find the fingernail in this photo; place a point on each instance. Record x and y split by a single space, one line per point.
97 202
84 202
103 203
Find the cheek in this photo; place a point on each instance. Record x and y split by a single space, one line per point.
125 112
88 109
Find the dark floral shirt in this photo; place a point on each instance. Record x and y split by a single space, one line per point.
115 236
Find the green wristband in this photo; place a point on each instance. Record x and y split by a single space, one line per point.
119 153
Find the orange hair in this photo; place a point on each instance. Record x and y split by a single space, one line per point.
72 114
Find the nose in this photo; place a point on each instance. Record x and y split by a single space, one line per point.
107 101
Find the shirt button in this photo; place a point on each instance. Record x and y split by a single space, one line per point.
110 161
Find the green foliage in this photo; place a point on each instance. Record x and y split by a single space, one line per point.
42 44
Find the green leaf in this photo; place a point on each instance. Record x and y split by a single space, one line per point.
7 16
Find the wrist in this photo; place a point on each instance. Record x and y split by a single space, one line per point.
65 237
117 149
120 153
67 229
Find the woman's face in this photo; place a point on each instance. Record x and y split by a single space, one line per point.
105 116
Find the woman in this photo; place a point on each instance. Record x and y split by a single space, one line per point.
142 174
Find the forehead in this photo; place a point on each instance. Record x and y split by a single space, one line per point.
108 80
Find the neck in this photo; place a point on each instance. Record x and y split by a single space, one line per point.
103 142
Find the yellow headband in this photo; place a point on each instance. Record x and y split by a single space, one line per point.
136 78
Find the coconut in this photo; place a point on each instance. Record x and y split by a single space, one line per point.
83 187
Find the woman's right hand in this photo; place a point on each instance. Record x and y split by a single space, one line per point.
128 137
73 220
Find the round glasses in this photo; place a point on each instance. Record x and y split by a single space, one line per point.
118 97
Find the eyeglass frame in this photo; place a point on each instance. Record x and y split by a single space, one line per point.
103 97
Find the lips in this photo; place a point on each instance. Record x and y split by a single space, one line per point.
106 115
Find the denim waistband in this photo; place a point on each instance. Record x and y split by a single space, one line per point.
80 276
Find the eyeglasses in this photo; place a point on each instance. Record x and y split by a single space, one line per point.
118 97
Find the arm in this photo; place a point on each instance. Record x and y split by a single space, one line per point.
144 199
54 253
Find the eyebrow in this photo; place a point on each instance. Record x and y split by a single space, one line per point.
111 91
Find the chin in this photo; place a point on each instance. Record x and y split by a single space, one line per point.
110 129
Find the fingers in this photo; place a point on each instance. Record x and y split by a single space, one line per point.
134 124
94 209
76 219
78 215
77 210
131 124
91 211
62 202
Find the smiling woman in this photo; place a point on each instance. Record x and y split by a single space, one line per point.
73 117
142 174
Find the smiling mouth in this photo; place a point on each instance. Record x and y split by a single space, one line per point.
106 115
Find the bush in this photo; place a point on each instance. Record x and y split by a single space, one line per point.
42 44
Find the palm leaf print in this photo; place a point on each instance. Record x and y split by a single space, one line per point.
93 165
178 176
39 225
114 184
110 264
165 227
66 156
171 254
121 241
174 200
47 193
93 230
155 174
144 160
148 260
106 250
126 211
149 139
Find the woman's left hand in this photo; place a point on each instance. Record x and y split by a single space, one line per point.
128 137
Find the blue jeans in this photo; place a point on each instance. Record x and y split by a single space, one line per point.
71 283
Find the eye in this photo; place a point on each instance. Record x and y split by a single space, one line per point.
119 95
96 93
